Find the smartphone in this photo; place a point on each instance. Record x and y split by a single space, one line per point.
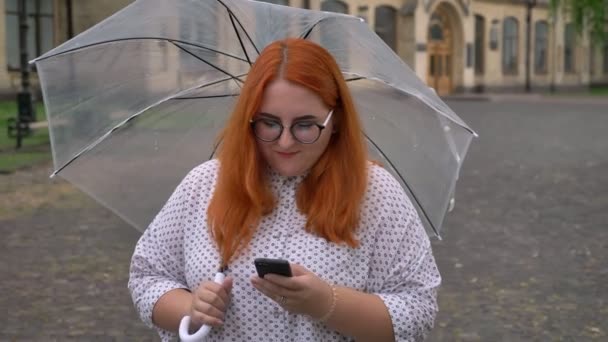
275 266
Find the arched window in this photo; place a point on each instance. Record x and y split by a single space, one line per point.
480 33
386 25
541 44
277 2
510 46
335 6
569 47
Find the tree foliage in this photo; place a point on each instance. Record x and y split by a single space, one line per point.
586 14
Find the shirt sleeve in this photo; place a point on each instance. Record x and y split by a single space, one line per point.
157 264
403 271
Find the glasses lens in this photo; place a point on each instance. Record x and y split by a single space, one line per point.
306 132
267 130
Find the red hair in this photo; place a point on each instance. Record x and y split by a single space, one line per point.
330 196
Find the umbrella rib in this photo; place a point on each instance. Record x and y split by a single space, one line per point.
241 25
236 30
203 97
222 80
210 84
404 183
418 97
138 38
309 31
204 61
215 148
116 127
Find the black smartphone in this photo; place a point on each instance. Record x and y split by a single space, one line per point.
276 266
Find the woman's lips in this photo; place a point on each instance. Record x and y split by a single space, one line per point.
287 154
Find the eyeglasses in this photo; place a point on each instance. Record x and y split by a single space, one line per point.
304 131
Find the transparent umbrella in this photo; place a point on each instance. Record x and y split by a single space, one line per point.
137 101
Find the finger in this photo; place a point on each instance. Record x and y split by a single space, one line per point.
226 289
289 283
216 299
227 284
208 310
279 299
198 319
269 289
222 290
299 270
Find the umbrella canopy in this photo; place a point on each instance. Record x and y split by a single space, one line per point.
137 101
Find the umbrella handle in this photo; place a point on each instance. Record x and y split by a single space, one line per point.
203 331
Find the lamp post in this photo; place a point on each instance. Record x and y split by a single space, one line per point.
529 5
25 113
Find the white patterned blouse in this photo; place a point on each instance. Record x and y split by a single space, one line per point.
394 260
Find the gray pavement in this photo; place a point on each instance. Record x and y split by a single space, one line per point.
524 255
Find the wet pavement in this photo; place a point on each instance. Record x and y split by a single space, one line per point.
524 255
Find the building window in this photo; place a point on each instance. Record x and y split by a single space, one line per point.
386 25
480 30
436 26
569 47
541 45
510 46
39 30
335 6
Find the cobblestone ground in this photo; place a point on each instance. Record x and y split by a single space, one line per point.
64 265
524 255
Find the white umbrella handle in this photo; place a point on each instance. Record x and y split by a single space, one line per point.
203 331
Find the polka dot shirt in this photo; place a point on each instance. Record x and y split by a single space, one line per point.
394 260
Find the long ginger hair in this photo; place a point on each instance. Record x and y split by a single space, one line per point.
330 195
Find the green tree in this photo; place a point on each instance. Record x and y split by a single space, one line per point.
586 13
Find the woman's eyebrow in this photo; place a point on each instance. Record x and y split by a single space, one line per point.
269 115
303 117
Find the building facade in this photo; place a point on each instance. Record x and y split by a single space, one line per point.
454 45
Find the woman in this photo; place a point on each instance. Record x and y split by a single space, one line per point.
291 181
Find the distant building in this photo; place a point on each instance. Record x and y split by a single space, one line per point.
454 45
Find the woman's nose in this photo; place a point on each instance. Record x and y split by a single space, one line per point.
286 139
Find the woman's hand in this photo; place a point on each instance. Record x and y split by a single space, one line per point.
209 303
304 293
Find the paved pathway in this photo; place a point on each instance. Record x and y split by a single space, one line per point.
524 256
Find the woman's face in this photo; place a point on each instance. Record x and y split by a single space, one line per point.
288 104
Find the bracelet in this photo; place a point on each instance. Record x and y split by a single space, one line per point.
334 299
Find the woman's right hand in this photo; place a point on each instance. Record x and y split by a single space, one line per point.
209 303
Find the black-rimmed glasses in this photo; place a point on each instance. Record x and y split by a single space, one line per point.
303 131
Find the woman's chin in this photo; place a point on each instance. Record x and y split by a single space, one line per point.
288 170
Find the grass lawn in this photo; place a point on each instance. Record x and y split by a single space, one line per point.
591 92
599 91
34 149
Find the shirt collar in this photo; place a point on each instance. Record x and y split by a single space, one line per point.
276 178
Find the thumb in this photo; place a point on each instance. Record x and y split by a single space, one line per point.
227 284
298 270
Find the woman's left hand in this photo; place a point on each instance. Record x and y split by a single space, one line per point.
304 293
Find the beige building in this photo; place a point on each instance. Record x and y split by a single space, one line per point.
455 45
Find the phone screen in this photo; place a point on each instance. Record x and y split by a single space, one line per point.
276 266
